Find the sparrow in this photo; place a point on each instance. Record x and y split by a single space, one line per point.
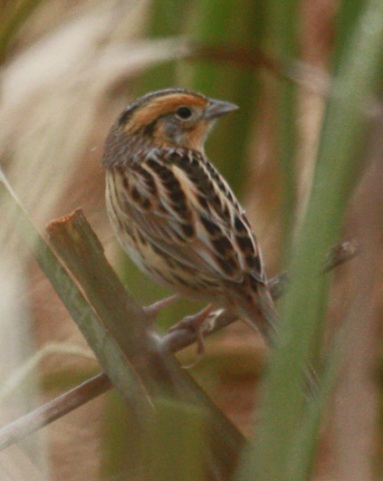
174 213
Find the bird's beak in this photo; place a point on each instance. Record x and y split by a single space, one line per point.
217 108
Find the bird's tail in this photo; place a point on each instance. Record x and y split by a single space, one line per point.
262 315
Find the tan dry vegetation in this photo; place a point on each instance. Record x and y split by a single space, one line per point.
72 70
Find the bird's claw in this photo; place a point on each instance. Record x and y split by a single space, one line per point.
195 323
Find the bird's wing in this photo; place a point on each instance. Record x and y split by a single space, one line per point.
180 203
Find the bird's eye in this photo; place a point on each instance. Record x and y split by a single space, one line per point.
184 113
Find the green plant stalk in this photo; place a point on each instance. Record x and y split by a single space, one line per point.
121 443
341 140
233 23
286 141
210 25
303 457
164 21
113 360
347 17
174 443
282 36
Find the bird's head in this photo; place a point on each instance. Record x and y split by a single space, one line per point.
173 117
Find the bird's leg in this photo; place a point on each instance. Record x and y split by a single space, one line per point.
195 322
154 309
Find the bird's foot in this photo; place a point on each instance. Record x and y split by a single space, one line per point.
154 309
195 323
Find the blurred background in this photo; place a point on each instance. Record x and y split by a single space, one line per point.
68 68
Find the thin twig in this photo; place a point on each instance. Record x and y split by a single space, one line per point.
55 409
340 254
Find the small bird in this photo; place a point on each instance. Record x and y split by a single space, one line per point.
174 213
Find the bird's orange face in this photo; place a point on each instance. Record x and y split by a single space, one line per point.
177 118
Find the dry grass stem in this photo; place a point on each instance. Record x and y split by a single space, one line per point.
49 412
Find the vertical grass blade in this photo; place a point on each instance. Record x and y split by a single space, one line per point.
174 443
165 19
282 37
236 24
112 358
341 140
